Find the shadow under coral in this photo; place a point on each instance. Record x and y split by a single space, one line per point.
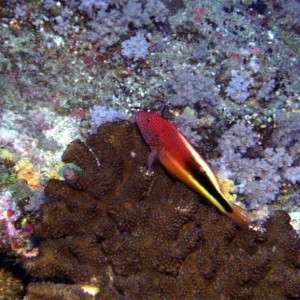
126 234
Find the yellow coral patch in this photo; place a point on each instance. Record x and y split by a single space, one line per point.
25 170
6 155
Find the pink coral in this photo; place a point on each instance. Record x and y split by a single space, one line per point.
12 237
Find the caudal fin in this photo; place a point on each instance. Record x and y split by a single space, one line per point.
240 216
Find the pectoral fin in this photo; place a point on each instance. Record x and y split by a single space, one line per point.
151 160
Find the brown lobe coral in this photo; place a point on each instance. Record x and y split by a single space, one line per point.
134 235
11 287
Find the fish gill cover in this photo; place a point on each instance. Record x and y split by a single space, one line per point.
113 229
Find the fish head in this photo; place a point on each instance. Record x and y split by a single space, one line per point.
150 125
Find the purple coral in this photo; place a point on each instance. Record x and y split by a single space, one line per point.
101 114
238 87
259 178
189 88
136 47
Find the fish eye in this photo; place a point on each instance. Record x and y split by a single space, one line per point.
148 120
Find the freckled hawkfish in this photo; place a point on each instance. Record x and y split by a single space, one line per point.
181 159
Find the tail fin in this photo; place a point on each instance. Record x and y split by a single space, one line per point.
240 216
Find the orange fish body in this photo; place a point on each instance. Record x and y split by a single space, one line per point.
181 159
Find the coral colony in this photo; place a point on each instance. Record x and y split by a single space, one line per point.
80 214
121 232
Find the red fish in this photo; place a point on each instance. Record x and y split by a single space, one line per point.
181 159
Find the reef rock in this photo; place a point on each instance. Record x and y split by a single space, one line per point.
126 234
